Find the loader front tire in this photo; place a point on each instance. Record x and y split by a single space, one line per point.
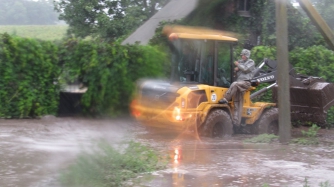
218 124
268 123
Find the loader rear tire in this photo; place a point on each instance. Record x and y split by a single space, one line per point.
268 123
218 124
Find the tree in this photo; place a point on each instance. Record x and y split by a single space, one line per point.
260 27
108 19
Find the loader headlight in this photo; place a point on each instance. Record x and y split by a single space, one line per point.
177 114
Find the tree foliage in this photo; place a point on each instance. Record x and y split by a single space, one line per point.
223 14
313 61
26 12
301 31
108 19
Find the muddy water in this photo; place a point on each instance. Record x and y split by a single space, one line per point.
33 152
213 162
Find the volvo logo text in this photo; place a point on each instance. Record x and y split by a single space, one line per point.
265 78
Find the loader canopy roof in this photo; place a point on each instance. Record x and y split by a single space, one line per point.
186 32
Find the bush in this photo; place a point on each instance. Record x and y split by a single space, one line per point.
261 52
109 71
309 137
29 70
314 61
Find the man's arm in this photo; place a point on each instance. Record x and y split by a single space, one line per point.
247 67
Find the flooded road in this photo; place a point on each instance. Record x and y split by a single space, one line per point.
33 152
233 163
216 162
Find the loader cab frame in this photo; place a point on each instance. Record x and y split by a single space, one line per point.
202 61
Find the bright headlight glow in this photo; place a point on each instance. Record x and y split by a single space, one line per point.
177 114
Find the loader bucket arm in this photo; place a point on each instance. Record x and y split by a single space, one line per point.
310 97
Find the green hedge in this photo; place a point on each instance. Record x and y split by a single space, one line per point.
109 71
28 71
32 72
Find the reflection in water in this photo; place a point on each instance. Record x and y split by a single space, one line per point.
177 177
206 161
211 162
177 155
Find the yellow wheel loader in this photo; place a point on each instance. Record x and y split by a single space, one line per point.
201 72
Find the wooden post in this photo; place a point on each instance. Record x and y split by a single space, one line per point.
283 72
319 22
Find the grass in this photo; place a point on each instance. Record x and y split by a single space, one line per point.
110 166
322 184
43 32
309 137
262 138
306 184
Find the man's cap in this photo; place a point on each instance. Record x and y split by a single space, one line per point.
245 52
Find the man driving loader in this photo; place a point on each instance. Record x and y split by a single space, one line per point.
244 70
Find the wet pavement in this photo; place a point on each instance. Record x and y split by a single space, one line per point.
34 152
